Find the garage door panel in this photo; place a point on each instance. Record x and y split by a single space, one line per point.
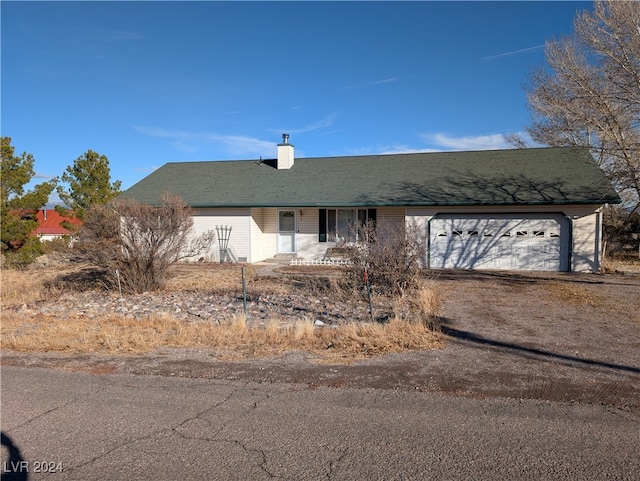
476 242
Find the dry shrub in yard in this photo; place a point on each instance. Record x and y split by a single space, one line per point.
393 254
140 242
411 324
231 339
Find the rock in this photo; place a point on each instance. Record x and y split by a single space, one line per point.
196 306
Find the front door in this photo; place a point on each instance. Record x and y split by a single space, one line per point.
286 231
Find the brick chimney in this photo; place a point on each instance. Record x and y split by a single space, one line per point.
285 153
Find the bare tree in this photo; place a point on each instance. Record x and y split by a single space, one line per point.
140 241
393 254
589 94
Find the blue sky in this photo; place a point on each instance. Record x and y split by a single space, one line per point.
146 83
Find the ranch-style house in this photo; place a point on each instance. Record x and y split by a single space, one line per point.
531 209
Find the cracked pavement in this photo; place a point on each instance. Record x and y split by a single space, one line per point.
138 427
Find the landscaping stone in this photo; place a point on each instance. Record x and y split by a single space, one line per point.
193 306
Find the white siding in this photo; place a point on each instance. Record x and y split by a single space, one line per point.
587 240
391 214
585 229
308 245
240 239
263 233
254 231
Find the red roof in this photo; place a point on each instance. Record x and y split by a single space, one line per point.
49 222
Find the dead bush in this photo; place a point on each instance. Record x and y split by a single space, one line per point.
393 254
137 243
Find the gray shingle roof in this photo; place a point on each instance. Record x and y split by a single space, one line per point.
500 177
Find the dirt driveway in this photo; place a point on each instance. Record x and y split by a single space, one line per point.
557 337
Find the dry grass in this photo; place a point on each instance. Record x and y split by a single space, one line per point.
425 305
629 264
231 339
219 278
18 287
574 293
206 277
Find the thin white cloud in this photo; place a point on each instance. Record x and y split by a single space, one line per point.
512 53
105 35
320 124
99 35
386 150
39 175
442 141
147 170
192 142
243 145
181 140
369 84
438 142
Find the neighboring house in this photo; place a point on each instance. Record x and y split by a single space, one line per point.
49 224
534 209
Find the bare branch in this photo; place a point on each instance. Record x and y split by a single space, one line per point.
590 94
140 241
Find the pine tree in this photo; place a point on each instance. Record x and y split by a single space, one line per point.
18 205
89 183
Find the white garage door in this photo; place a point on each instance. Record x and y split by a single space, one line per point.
533 242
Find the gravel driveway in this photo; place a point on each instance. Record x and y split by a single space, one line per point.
557 337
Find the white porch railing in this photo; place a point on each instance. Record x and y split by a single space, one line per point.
319 262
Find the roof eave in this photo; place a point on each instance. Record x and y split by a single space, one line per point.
299 205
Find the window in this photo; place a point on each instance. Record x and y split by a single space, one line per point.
346 225
343 225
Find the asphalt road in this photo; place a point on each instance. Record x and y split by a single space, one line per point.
86 427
